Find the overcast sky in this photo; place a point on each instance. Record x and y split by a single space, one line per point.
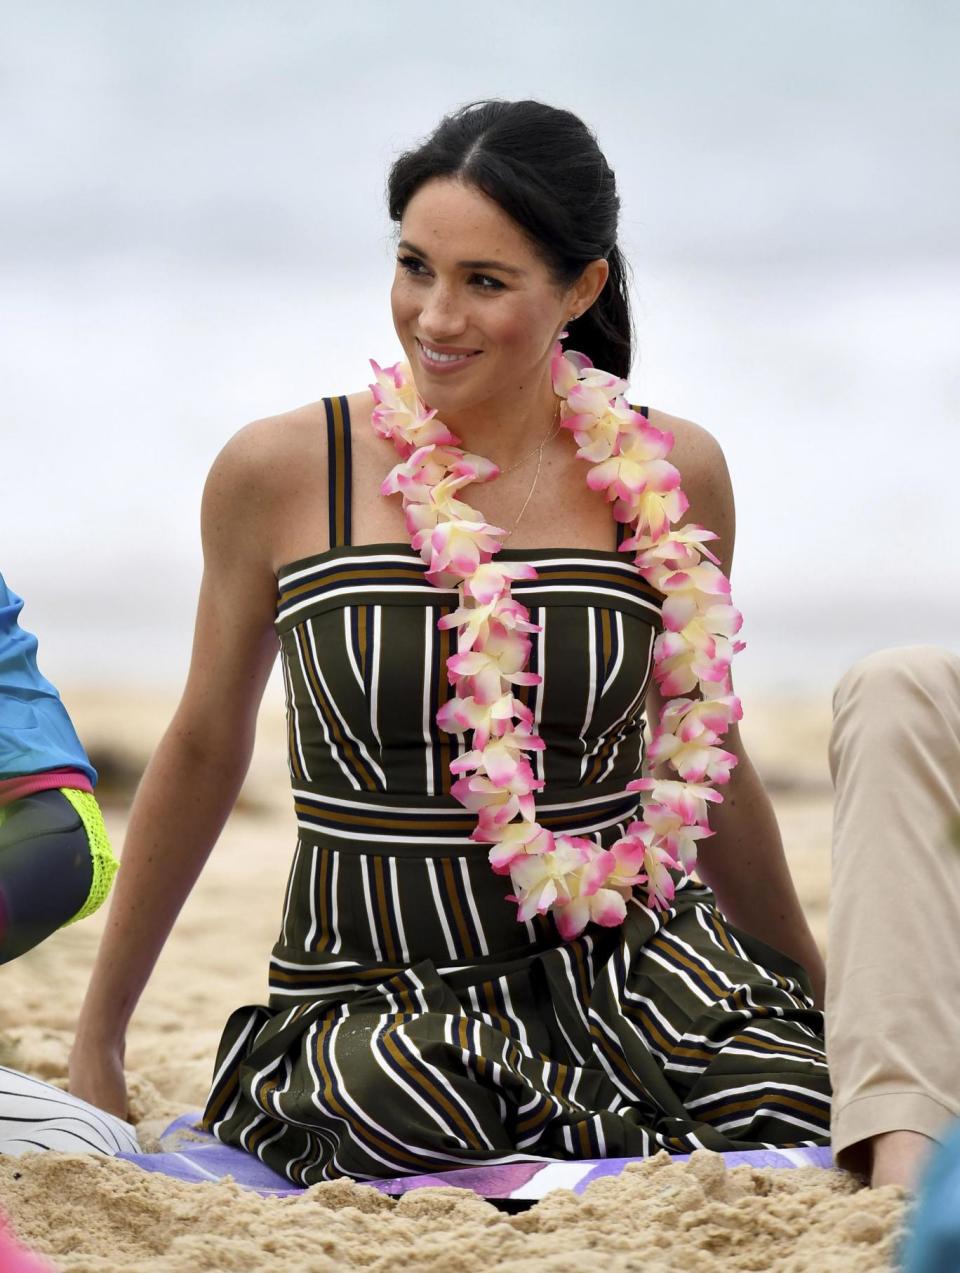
192 234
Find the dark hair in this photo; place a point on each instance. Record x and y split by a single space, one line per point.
544 168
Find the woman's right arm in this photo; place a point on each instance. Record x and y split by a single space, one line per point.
195 774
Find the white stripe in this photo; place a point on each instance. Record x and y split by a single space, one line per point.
618 658
629 715
512 1015
269 1141
323 724
295 714
612 1073
472 905
404 559
727 1124
314 992
685 977
591 590
770 1087
425 723
348 613
740 1049
365 1116
232 1055
334 910
402 1083
432 811
816 1052
374 656
424 590
344 1096
441 911
333 965
312 931
576 1053
398 910
567 960
258 1119
463 841
368 900
336 707
598 1128
591 683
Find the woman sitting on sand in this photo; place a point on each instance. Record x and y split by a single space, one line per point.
489 949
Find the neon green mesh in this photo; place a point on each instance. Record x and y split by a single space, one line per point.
104 863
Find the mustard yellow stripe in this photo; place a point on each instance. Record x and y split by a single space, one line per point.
323 900
352 574
382 821
358 768
753 1102
360 1131
426 1084
460 919
383 909
708 980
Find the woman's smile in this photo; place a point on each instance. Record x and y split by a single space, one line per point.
443 359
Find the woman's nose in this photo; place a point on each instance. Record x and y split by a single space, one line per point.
441 315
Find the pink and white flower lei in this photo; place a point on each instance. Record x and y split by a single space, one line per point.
572 876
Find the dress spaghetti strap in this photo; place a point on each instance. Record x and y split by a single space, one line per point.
339 470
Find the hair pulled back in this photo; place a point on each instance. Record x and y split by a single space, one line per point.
544 168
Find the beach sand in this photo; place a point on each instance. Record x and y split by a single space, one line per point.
89 1213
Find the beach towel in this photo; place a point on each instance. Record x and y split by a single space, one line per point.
193 1155
35 1115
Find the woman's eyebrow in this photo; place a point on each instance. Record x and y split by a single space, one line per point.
465 265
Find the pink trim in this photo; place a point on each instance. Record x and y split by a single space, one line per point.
16 788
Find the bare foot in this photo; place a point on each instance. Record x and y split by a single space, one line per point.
898 1158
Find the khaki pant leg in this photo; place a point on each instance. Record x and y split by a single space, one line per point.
893 957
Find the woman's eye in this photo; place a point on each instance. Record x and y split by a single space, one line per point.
486 283
412 264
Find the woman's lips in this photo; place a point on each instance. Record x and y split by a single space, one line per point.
437 359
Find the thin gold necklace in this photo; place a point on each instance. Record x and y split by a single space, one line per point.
550 436
517 463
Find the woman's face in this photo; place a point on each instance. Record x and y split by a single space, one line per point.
475 308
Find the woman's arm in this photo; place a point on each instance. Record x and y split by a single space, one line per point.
195 774
743 862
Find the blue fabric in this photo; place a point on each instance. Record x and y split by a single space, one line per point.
932 1244
35 730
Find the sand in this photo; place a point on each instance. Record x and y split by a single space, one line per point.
88 1213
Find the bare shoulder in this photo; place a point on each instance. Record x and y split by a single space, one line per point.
258 472
704 477
264 451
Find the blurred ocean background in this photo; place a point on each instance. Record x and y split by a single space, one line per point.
193 235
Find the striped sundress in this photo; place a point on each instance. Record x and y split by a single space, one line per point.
413 1024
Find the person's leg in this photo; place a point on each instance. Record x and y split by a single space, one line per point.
46 870
893 955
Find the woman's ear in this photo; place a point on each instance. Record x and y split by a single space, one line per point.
588 286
